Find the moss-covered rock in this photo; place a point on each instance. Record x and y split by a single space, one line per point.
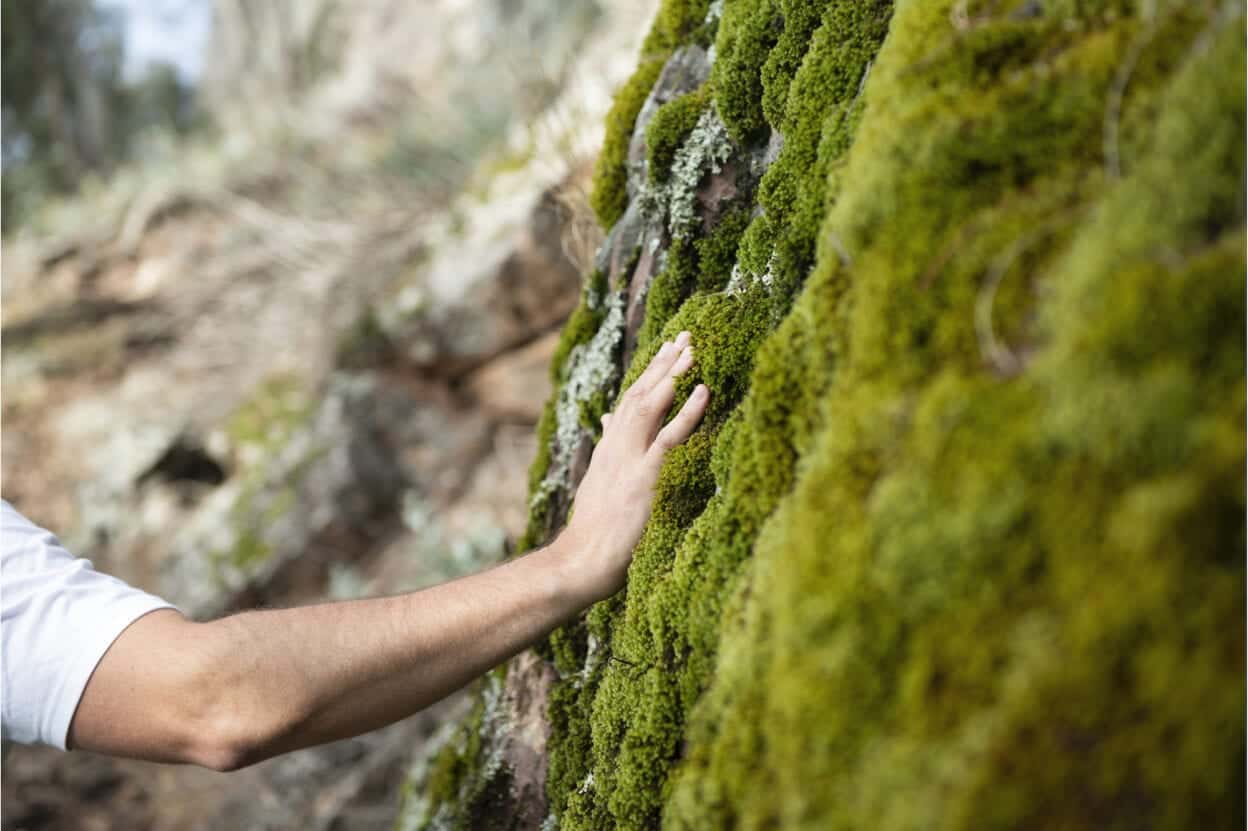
960 543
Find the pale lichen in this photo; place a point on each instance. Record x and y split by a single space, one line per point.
592 370
458 767
703 151
741 278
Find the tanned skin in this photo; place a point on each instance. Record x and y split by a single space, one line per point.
227 693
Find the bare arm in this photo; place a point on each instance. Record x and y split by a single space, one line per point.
234 691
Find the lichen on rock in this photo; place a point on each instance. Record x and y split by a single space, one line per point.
705 148
591 371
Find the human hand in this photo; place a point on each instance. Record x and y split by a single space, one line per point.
615 497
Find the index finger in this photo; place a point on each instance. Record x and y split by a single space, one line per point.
659 365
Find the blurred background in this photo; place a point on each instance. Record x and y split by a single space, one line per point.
281 282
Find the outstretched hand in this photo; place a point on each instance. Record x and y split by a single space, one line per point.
614 500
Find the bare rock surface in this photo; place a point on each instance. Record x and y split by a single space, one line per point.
505 280
506 386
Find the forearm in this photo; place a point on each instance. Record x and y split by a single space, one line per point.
238 690
291 678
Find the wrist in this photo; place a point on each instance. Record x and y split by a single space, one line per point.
574 577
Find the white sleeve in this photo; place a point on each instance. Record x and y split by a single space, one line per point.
58 616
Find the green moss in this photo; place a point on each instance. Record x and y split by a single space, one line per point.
675 21
801 18
366 344
535 533
937 593
249 550
463 784
702 264
821 111
675 24
717 252
672 26
270 414
746 35
669 127
609 194
453 764
663 637
668 290
583 323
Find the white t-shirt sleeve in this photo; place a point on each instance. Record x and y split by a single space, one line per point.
58 616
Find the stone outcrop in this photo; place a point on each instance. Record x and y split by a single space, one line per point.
502 282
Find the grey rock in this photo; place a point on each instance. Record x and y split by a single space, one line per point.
686 70
617 249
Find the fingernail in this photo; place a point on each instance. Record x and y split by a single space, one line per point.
684 336
701 391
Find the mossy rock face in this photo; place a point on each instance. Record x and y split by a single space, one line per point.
960 543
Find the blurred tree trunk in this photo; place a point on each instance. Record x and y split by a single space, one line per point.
264 56
61 60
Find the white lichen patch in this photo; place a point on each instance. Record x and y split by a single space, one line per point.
706 148
594 655
593 297
494 726
741 280
418 811
703 151
592 370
